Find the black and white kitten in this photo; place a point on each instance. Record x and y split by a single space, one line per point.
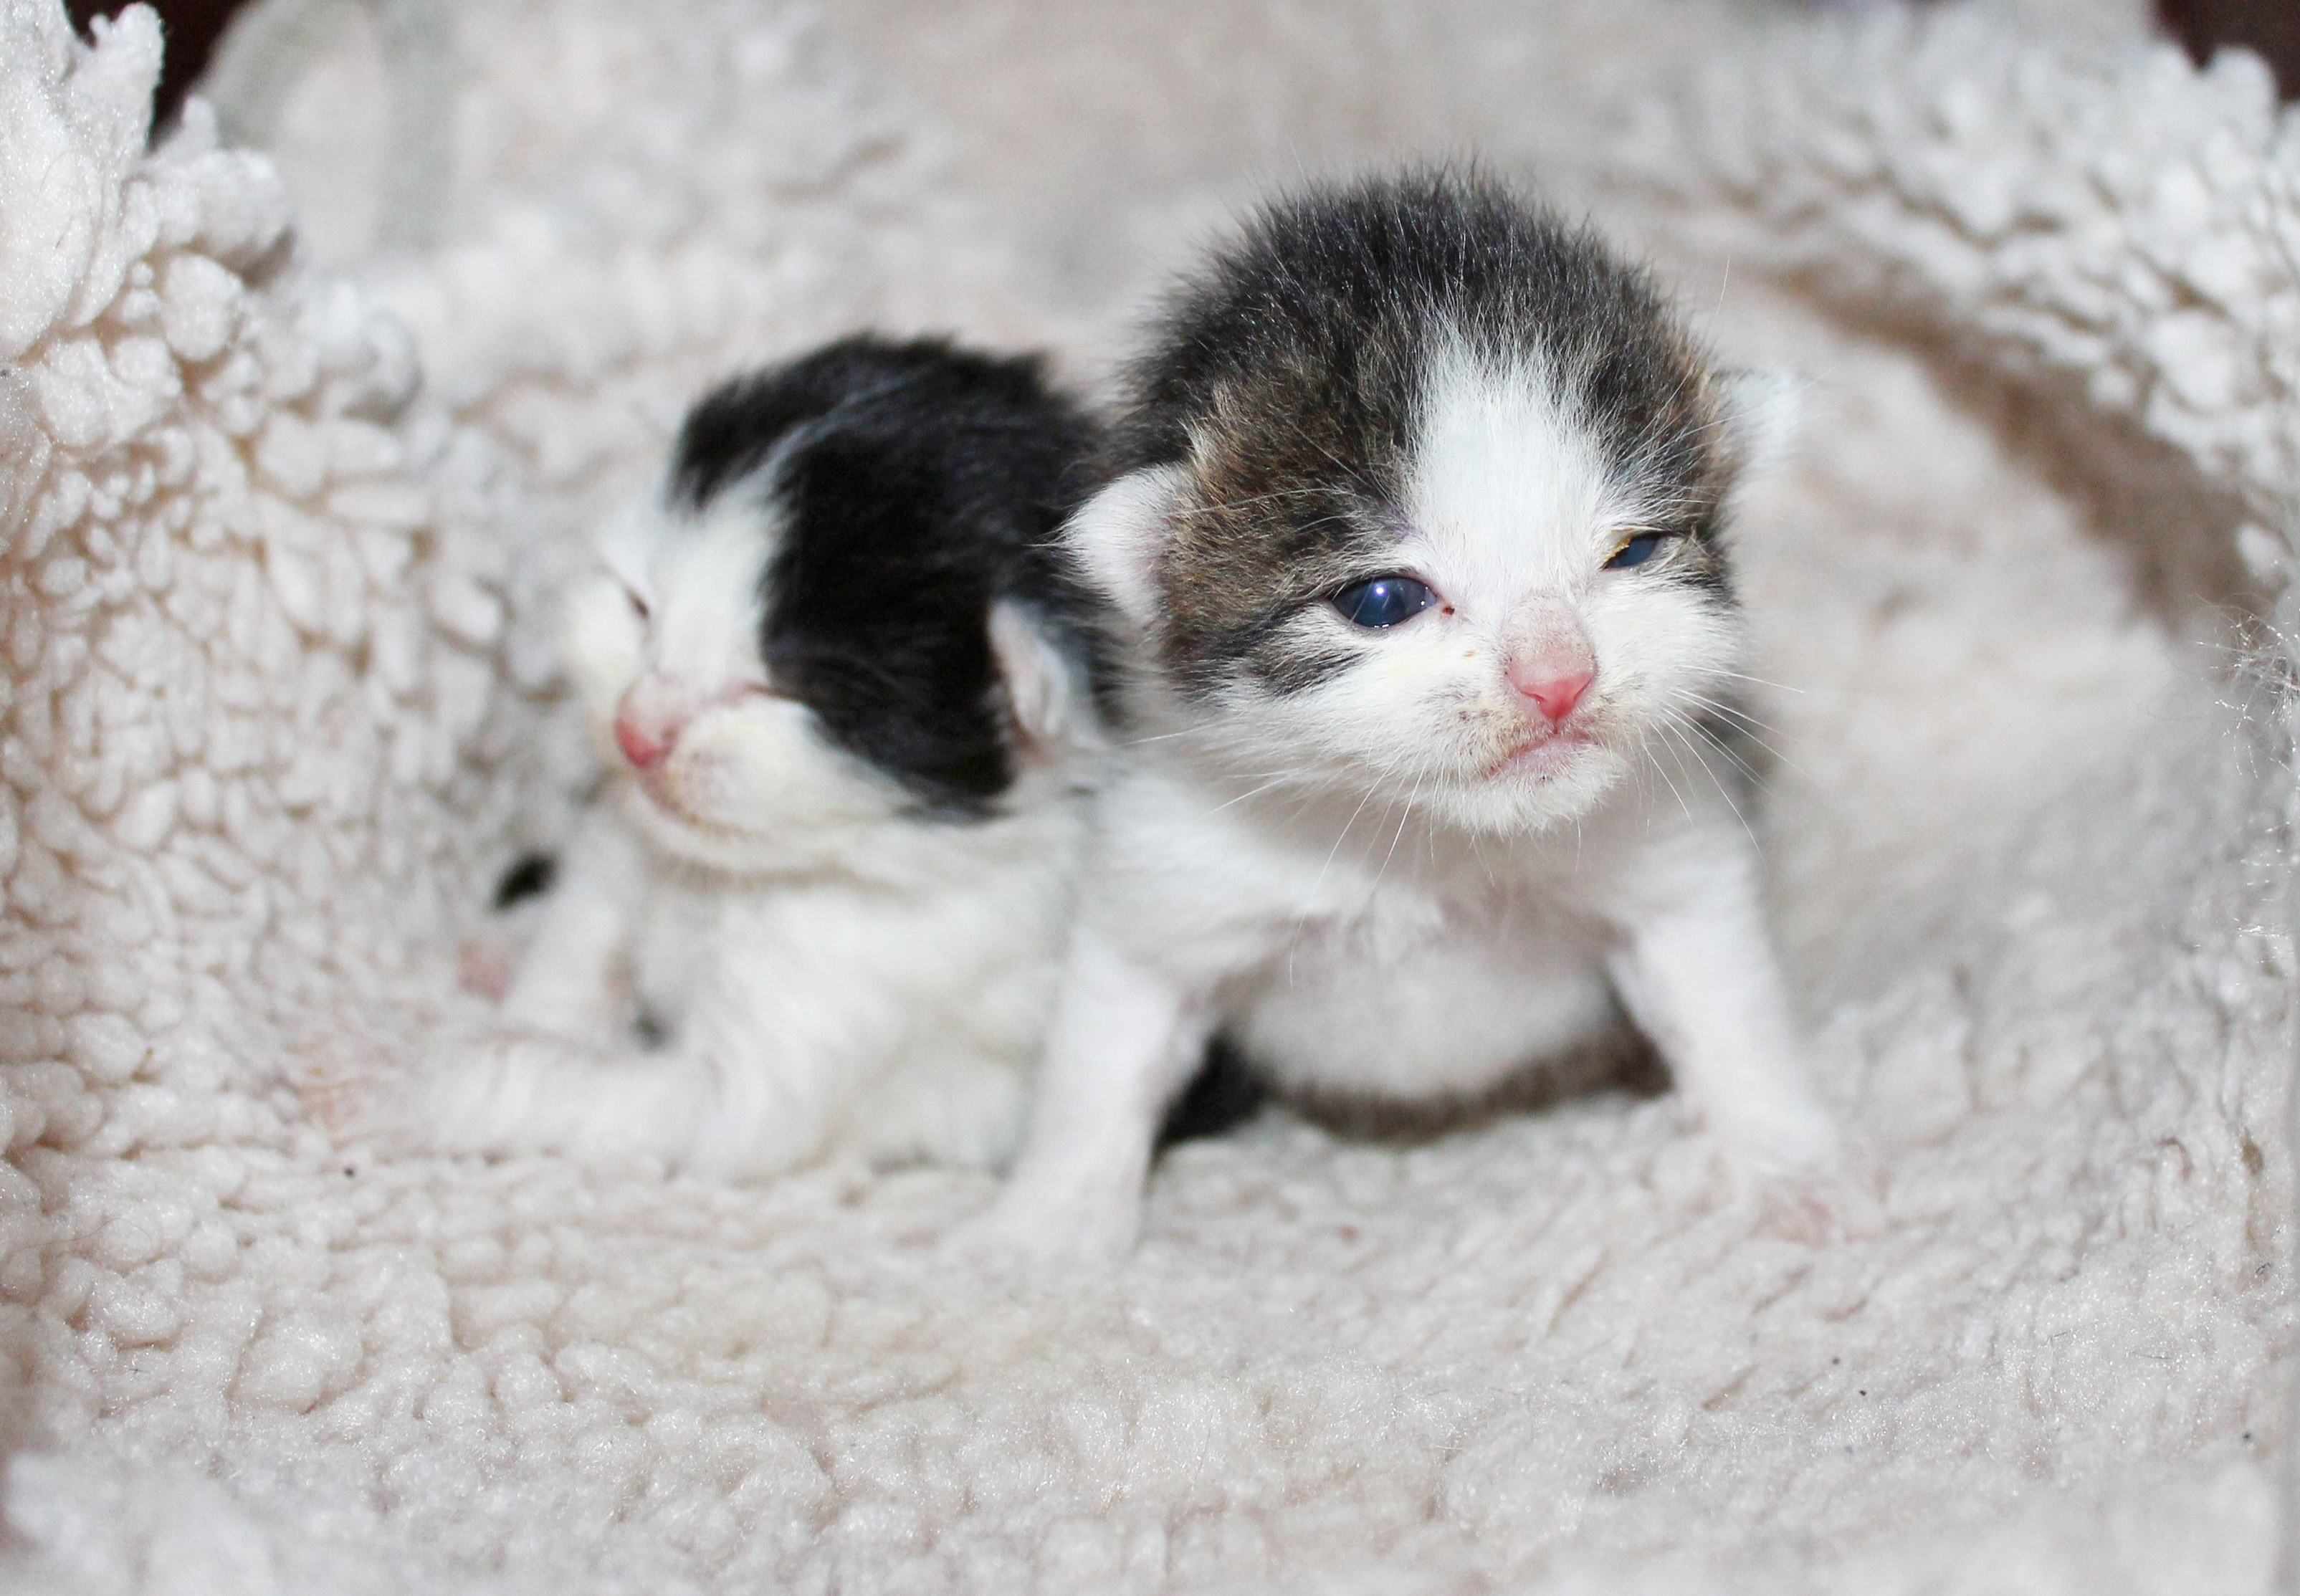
841 681
1416 519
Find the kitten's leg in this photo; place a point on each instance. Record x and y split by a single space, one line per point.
1697 972
571 983
732 1096
536 1091
717 1102
1123 1041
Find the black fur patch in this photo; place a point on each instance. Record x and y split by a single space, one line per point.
918 483
1286 376
530 876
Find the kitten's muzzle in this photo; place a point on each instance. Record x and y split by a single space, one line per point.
1548 662
1543 754
644 747
649 724
1550 688
1547 687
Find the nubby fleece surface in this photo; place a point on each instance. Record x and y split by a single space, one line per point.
280 543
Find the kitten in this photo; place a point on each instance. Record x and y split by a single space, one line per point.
1416 526
844 685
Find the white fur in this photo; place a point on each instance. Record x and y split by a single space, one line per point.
1355 882
834 972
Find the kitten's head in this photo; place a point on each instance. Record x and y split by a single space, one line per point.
1420 495
842 610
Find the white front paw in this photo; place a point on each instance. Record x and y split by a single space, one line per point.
1028 1232
1785 1135
352 1090
1793 1166
452 1103
1835 1204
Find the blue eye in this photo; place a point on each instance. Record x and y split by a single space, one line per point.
1639 549
1384 601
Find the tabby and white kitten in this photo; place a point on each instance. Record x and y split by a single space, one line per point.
1416 520
843 685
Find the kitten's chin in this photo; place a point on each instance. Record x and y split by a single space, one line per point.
696 840
1549 783
802 845
1544 759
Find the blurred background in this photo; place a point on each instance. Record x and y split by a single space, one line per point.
2271 28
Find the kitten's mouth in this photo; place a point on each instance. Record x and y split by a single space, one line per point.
657 787
1544 754
662 800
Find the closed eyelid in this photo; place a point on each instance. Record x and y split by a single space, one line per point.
633 583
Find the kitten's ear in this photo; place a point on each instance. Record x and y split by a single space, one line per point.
1118 534
1762 412
1041 688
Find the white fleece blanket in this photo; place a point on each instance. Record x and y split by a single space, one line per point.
277 538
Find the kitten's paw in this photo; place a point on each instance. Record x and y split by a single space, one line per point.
1023 1234
1795 1168
1819 1206
398 1104
351 1091
485 967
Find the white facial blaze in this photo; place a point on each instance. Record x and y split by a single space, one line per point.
1509 490
748 783
703 640
1513 507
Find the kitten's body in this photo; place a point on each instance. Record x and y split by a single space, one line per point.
841 685
1406 858
1333 924
890 1014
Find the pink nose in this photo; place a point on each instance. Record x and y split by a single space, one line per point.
644 749
1553 691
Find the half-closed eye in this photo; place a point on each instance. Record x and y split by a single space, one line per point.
1637 549
1384 601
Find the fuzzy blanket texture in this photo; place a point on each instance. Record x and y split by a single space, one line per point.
282 513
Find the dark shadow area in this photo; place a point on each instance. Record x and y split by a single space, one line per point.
2269 27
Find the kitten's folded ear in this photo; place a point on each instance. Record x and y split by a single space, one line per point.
1044 694
1117 535
1764 412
